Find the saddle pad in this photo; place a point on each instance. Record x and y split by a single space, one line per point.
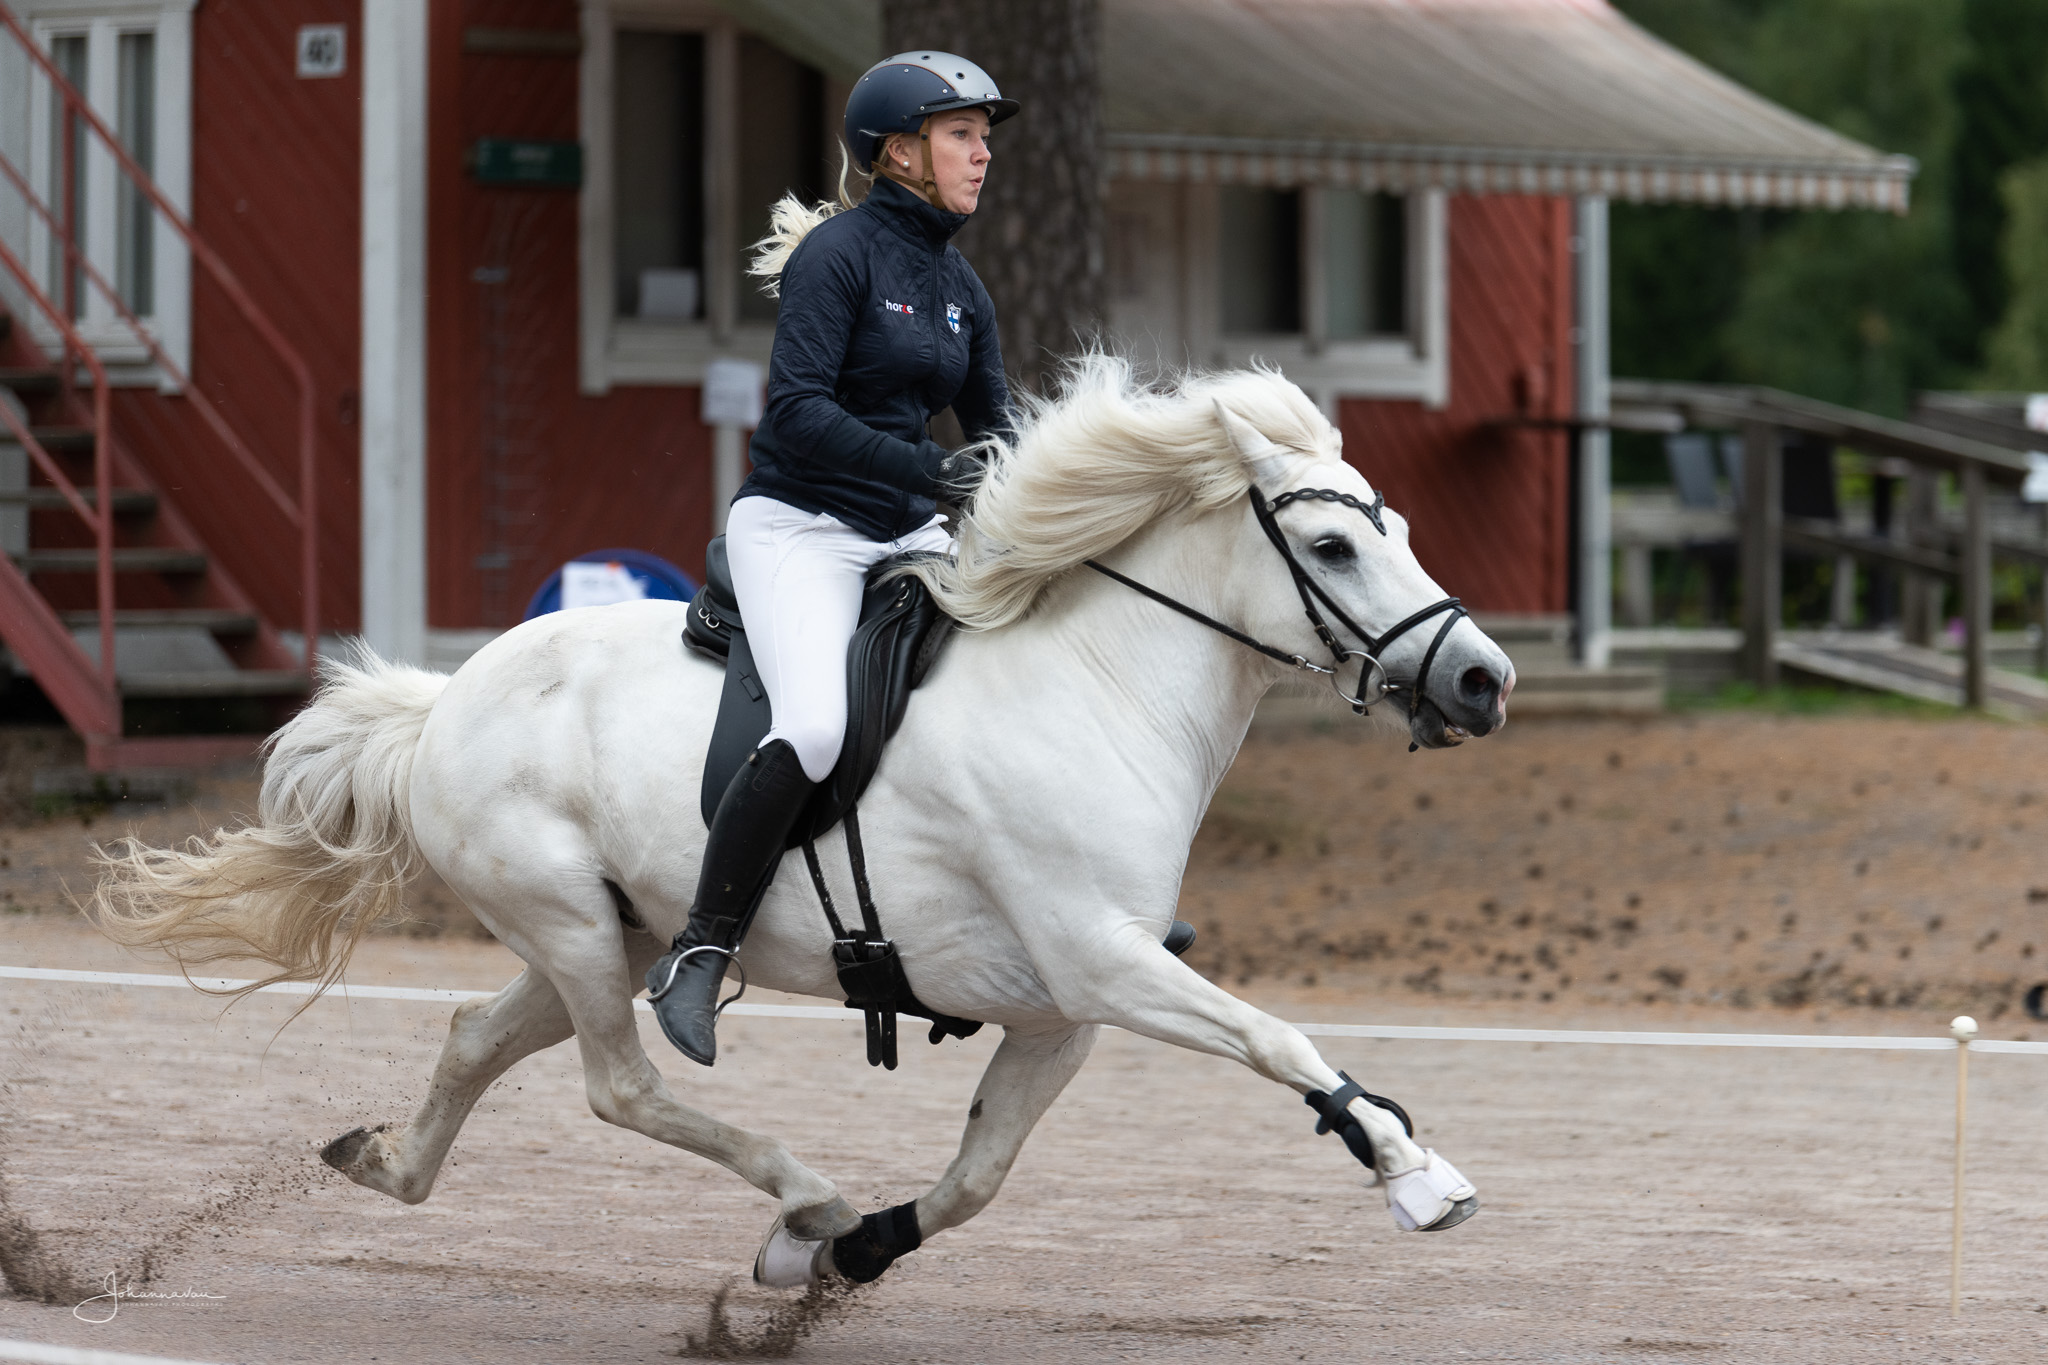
901 634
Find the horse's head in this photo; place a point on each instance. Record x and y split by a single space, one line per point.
1346 558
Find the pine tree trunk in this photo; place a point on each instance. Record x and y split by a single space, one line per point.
1036 238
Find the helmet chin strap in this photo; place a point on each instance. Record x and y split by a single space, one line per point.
929 188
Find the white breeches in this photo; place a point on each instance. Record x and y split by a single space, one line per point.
798 576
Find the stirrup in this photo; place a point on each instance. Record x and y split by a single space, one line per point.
732 957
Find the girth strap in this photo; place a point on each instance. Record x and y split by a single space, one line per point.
870 969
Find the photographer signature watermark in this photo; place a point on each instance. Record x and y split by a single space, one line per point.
104 1307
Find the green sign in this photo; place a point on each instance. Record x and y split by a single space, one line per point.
536 165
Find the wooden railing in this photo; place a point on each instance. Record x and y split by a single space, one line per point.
1762 415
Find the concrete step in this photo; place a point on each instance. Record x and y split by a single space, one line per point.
240 682
218 622
1563 691
142 559
127 501
24 379
1531 640
64 440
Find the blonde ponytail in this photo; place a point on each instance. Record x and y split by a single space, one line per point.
791 220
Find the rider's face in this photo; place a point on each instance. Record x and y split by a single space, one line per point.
960 157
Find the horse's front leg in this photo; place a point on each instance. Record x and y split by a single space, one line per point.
1124 977
1026 1075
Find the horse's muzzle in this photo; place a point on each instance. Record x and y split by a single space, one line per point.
1475 706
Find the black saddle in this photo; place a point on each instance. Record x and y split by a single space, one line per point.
901 633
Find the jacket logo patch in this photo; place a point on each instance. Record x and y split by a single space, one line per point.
899 307
953 316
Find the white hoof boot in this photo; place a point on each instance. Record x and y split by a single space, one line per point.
790 1262
1431 1197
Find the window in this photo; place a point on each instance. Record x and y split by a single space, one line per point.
1262 282
1346 289
782 146
693 129
132 62
658 157
67 144
1268 287
1365 268
135 125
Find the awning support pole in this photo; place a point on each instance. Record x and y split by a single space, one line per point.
1595 606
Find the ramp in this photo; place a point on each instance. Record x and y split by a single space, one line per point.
1885 664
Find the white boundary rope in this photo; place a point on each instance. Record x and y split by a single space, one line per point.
1420 1033
37 1353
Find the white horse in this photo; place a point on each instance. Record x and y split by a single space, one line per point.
1026 833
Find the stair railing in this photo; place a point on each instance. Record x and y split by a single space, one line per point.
302 511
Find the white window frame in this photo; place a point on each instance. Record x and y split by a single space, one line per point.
1415 366
615 350
102 22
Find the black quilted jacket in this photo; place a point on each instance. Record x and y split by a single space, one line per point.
882 324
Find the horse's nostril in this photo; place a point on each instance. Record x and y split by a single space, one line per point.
1477 683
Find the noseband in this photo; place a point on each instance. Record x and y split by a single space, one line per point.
1373 682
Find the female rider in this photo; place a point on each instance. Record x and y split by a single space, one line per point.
882 324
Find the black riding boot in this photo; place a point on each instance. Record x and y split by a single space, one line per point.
748 835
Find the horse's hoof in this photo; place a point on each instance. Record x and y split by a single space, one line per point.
353 1150
822 1222
786 1261
1460 1211
366 1156
1430 1197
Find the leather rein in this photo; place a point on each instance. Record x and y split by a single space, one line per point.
1373 683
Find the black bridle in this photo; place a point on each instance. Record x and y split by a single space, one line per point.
1373 682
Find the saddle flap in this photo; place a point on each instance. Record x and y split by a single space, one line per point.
902 631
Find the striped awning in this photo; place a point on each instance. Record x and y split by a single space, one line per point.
1473 96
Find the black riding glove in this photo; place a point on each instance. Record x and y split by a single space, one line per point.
958 477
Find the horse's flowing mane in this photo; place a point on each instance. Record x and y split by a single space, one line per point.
1093 464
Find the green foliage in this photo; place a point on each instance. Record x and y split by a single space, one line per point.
1999 98
2016 357
1857 307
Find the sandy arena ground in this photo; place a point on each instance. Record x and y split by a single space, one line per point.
1640 1204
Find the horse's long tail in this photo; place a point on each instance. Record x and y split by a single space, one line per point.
327 857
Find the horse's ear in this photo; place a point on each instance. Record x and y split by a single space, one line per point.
1267 461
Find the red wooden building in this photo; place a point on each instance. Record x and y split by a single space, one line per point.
456 270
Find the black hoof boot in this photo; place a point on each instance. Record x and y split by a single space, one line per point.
748 835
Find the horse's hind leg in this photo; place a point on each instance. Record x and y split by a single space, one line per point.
485 1039
1026 1075
571 931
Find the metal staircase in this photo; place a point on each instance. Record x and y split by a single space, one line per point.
108 597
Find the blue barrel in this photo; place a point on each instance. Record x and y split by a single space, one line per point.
656 576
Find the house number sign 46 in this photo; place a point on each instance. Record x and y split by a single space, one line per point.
323 50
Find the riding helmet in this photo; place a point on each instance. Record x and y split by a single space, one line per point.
899 94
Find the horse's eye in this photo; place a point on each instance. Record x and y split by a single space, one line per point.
1335 549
